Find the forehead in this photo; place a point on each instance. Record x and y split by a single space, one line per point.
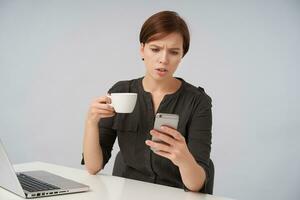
170 40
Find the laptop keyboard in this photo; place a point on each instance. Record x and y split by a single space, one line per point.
31 184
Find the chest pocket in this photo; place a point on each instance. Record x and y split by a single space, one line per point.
126 126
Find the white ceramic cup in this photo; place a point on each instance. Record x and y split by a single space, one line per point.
123 102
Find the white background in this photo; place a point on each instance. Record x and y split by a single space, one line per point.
56 56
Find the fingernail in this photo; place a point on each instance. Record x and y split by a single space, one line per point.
162 127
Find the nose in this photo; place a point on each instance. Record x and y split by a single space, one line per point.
163 57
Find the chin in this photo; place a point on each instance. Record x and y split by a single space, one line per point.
158 78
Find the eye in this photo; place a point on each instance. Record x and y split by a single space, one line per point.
174 52
154 50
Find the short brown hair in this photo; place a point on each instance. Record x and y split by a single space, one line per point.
163 23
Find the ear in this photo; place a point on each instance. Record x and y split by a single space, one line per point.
142 50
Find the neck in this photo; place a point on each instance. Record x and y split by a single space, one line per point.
169 85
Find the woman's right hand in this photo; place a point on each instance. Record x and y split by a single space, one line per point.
100 108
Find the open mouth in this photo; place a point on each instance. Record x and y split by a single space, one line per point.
161 69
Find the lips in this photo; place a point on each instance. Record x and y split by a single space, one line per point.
161 69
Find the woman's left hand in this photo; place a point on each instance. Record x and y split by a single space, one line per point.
174 147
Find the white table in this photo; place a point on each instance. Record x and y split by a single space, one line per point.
106 187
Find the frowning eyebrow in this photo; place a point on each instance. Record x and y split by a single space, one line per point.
156 46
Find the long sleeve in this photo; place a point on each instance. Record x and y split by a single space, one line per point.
107 138
199 133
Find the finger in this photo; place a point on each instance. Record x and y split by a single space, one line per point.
174 133
108 98
103 106
103 99
163 154
106 115
100 99
101 111
158 146
163 137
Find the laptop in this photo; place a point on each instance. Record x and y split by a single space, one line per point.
33 184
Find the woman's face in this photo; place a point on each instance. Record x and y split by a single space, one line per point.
162 56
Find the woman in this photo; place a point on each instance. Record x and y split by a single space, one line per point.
182 161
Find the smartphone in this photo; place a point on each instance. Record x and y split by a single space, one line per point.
164 119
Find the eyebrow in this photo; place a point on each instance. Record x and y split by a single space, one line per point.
153 45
